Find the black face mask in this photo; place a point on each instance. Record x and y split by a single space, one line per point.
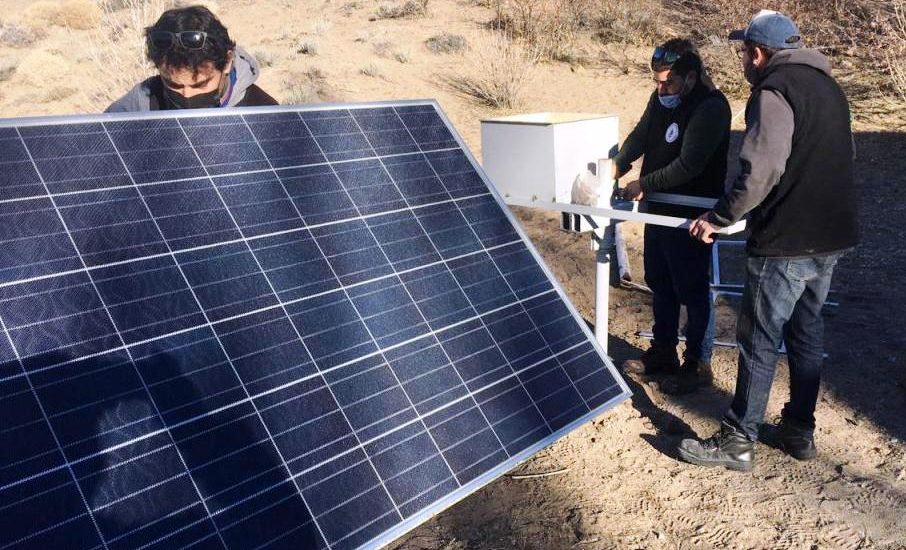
200 101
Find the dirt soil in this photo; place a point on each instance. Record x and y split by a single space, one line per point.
620 484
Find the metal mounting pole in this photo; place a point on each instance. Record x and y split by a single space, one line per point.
604 236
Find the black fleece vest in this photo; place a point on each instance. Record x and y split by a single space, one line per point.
666 133
812 210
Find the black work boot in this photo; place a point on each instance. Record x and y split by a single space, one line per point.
794 438
692 374
657 359
729 448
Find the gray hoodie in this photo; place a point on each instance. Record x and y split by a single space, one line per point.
138 99
767 143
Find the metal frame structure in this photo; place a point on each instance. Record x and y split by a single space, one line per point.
720 288
604 221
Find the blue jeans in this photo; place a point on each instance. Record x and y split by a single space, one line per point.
781 302
678 271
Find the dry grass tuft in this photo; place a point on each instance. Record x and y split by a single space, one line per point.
14 35
264 56
117 46
623 22
383 48
447 43
410 9
556 29
310 86
70 14
58 93
8 67
865 40
896 50
498 69
372 69
308 47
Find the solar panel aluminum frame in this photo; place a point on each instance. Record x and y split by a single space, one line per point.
472 486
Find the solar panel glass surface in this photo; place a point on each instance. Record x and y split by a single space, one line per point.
265 328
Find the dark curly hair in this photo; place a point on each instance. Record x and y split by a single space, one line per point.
194 18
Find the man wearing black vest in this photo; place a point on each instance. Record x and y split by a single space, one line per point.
684 135
796 179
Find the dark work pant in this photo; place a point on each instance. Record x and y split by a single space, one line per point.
782 301
678 271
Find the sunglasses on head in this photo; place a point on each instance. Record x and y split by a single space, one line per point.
663 56
189 40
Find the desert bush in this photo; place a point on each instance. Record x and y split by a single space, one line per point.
865 40
383 48
624 59
310 86
622 22
402 57
447 43
14 35
7 68
320 26
117 46
556 28
71 14
544 26
308 47
893 54
497 71
264 56
410 9
371 69
58 93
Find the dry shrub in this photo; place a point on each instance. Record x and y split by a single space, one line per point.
308 47
864 39
896 50
624 59
14 35
71 14
264 56
725 69
546 27
497 71
310 86
383 48
555 28
8 67
447 43
58 93
372 69
623 22
410 9
320 26
117 46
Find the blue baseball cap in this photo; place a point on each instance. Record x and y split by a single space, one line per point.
771 29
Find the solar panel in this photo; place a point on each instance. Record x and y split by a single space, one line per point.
265 328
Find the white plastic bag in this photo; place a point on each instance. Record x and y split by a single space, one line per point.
586 189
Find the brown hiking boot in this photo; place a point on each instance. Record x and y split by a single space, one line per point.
656 360
692 374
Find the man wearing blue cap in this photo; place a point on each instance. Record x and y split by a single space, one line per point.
796 184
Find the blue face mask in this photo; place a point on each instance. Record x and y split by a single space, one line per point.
670 101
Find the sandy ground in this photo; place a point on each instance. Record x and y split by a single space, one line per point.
621 485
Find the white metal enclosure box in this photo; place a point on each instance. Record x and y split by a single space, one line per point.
537 156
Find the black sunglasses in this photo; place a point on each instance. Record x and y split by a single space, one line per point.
663 56
189 40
